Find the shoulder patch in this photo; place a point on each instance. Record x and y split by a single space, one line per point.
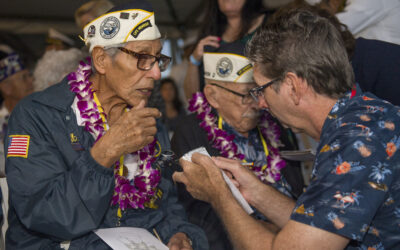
18 146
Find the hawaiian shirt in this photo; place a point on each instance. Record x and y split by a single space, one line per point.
355 185
251 147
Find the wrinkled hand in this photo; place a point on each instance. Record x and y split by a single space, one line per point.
131 132
199 50
203 180
179 241
244 179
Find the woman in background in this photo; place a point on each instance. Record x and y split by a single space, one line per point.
173 108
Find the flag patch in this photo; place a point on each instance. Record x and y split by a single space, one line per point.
18 146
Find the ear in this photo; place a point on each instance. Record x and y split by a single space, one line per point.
295 86
99 58
211 95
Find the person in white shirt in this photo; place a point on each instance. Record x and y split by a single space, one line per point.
371 19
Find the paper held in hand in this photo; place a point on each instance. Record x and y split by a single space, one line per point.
236 193
129 238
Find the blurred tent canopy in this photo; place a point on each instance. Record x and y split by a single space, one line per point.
174 17
24 24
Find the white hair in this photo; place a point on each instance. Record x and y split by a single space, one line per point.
55 65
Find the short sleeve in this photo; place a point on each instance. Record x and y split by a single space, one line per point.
350 182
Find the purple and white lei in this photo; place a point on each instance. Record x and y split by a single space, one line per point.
134 193
224 143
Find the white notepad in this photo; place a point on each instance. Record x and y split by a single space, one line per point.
236 193
129 238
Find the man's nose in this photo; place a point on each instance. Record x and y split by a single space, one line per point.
155 71
261 103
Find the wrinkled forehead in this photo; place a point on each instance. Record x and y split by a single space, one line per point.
148 46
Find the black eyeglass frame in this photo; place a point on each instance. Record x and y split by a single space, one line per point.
257 91
163 66
243 96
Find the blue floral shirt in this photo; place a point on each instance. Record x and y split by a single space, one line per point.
355 186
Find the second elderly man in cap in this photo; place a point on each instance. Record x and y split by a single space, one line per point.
81 155
227 123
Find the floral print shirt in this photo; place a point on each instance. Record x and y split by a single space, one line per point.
355 185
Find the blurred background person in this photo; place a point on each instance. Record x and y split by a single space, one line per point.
58 41
371 19
15 84
173 107
91 10
224 21
55 65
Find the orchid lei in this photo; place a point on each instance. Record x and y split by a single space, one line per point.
223 142
135 193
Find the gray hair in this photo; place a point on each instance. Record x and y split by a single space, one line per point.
55 65
111 50
306 44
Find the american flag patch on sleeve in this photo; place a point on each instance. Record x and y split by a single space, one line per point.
18 146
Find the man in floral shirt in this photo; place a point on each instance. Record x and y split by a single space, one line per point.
353 200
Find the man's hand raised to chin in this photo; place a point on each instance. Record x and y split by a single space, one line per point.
131 132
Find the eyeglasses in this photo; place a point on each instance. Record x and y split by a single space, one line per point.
146 62
246 99
256 92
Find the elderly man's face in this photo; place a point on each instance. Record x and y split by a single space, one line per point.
243 117
127 81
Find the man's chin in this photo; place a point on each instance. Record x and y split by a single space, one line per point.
251 124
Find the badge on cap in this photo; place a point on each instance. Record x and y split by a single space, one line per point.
109 27
136 31
91 31
224 67
134 15
244 69
124 15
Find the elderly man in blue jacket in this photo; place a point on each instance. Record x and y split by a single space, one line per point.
84 154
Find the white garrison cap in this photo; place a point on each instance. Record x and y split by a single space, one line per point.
133 21
227 63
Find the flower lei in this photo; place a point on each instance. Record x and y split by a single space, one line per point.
223 142
127 193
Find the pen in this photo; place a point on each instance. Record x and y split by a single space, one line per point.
156 234
247 163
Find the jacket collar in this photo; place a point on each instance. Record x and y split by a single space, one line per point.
57 96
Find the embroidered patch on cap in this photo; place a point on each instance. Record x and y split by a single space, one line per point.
224 67
91 31
244 69
124 15
134 15
136 31
18 146
109 27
